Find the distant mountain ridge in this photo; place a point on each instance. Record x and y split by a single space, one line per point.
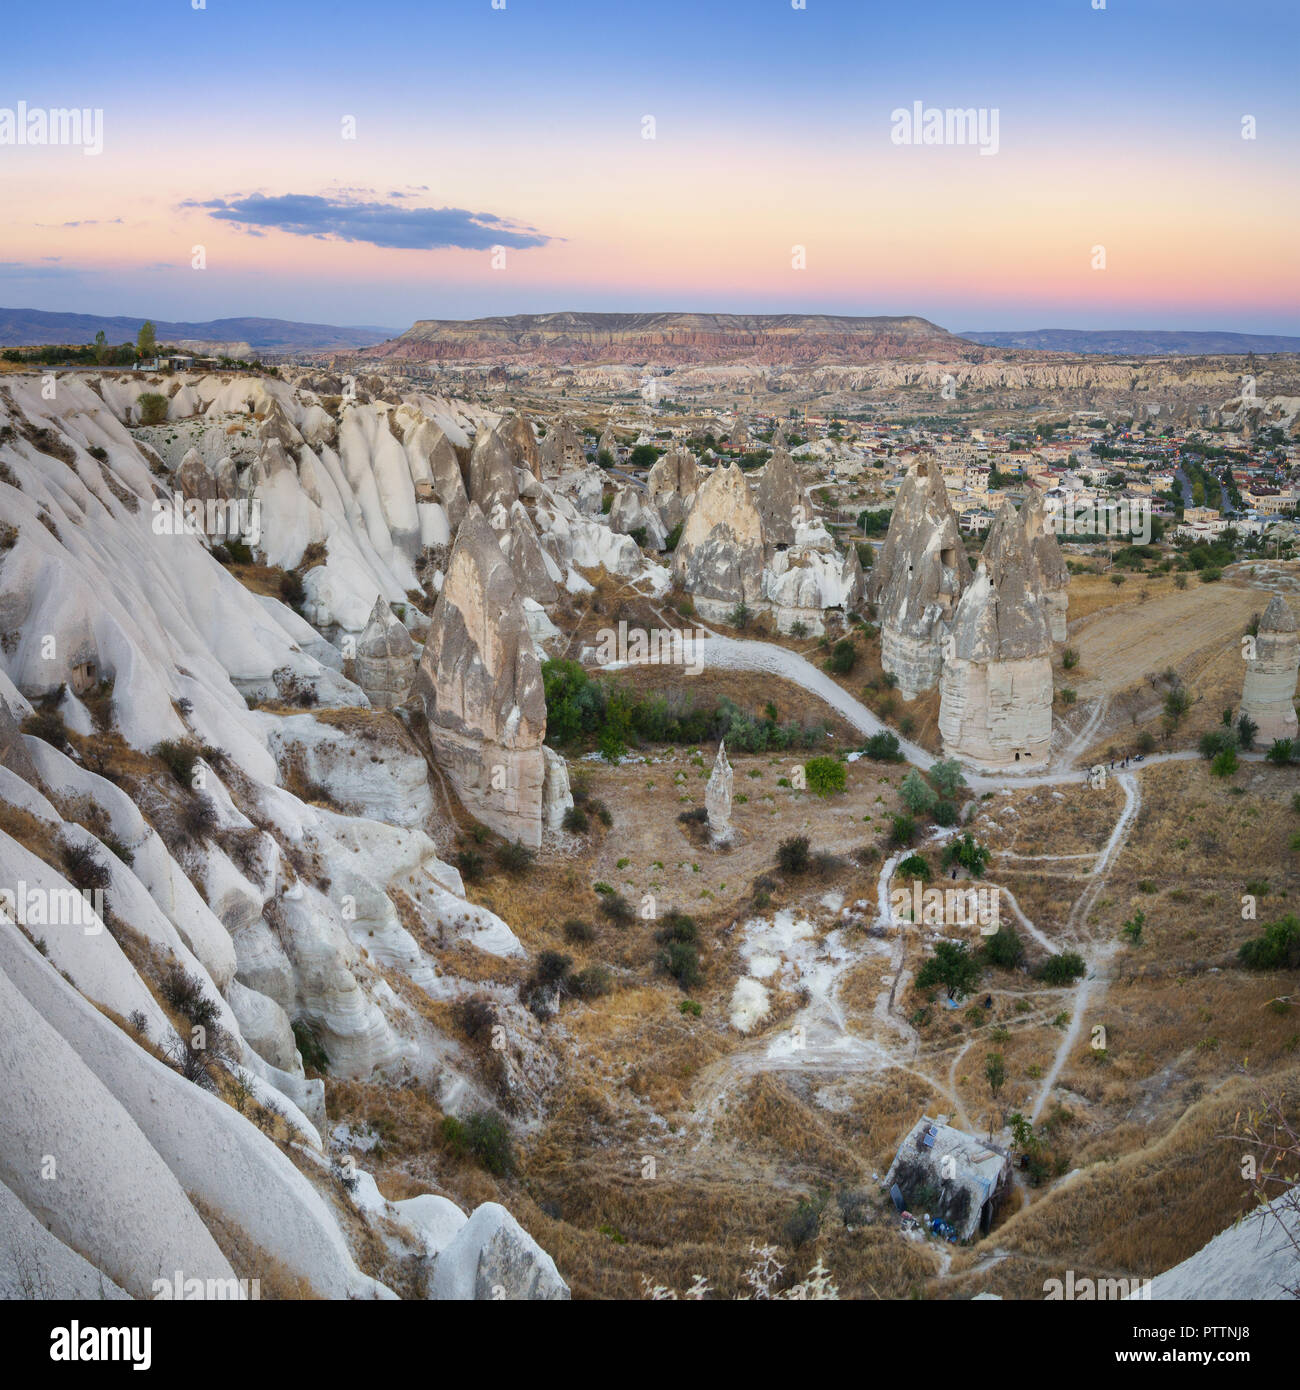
1128 342
32 327
675 338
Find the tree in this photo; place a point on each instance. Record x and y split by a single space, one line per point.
947 777
951 966
146 343
969 853
101 346
1062 969
1004 948
1246 731
918 795
995 1072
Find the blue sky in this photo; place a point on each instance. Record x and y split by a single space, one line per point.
1120 126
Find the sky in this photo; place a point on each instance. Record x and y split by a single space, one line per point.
389 161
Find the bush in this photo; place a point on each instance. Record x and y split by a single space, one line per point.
84 869
592 983
1062 969
153 408
915 866
825 776
947 777
578 932
803 1224
883 748
180 758
946 813
474 1017
1277 949
902 830
515 857
309 1045
1224 764
682 961
739 616
470 863
1282 751
47 724
617 908
843 658
575 818
969 853
487 1138
693 815
792 856
1004 948
674 536
184 992
1069 658
1215 742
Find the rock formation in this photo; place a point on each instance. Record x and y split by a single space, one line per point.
671 485
491 477
717 798
561 450
917 580
995 691
1268 692
780 499
719 558
385 658
521 443
628 513
1054 575
482 687
607 444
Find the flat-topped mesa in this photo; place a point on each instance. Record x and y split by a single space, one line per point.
481 683
918 579
995 691
385 658
780 499
1268 692
1054 574
671 485
719 558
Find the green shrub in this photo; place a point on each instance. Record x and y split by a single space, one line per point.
1278 948
153 408
825 776
579 932
969 853
1004 949
843 658
915 866
515 858
1062 969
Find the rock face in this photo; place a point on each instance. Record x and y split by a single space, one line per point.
717 798
1268 692
482 687
1054 575
561 450
491 478
628 514
780 499
672 484
520 441
385 658
995 692
918 580
493 1257
719 558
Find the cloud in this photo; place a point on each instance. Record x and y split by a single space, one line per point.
379 223
18 271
